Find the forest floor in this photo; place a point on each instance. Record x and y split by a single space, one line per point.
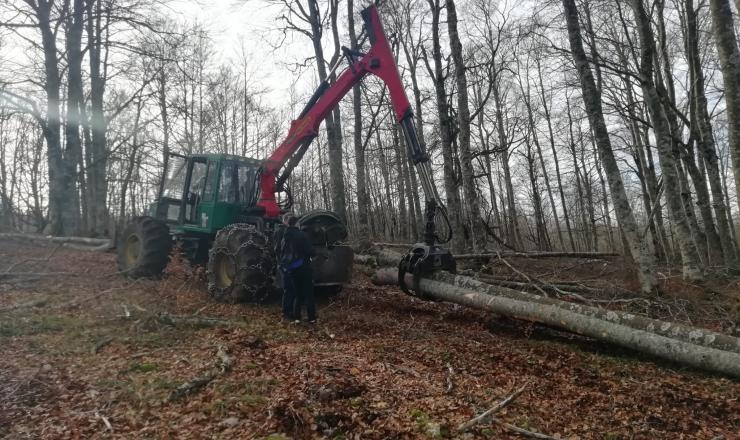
90 354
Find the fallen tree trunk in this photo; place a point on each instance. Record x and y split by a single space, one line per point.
391 258
394 245
535 254
675 342
80 243
381 259
89 248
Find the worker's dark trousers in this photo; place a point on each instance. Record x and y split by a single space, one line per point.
289 295
301 281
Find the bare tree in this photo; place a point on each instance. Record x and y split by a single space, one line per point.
727 47
592 100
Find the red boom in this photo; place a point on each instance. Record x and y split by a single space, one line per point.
378 61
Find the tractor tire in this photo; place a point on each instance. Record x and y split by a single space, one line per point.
240 265
144 248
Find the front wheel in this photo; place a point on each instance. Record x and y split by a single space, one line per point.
240 265
144 248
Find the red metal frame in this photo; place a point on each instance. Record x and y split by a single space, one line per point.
378 61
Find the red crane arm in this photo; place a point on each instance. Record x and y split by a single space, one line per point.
378 61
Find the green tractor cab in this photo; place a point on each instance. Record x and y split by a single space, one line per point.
206 205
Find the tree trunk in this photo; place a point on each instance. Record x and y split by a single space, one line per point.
662 130
512 225
526 98
580 200
411 192
705 139
589 188
691 346
463 115
73 147
454 206
51 124
399 150
333 128
592 101
413 61
645 164
652 180
551 137
543 242
363 231
729 60
130 167
97 182
389 212
6 208
605 205
704 238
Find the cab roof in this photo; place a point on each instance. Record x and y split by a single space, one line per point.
227 157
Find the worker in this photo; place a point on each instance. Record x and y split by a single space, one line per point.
295 264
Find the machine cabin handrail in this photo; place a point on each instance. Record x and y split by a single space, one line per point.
378 61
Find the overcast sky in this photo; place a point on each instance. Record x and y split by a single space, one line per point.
255 23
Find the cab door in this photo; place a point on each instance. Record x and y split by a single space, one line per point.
226 207
204 210
168 206
200 194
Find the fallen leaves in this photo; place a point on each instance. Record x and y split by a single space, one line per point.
382 365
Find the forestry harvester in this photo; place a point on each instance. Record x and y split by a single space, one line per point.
225 210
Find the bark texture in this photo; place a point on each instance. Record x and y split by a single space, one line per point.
592 101
363 202
454 206
729 59
97 159
51 123
333 124
705 138
463 119
691 346
666 154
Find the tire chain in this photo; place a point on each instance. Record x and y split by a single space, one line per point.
258 292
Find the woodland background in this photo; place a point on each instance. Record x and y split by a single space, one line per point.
528 152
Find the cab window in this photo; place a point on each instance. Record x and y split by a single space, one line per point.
210 182
237 183
174 177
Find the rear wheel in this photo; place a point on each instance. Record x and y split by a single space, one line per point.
144 248
240 265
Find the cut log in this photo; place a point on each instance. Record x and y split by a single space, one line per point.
381 259
79 241
388 257
89 248
394 245
692 346
536 255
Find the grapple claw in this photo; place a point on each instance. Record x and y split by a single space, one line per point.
423 259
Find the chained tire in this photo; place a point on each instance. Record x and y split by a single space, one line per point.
240 265
143 248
